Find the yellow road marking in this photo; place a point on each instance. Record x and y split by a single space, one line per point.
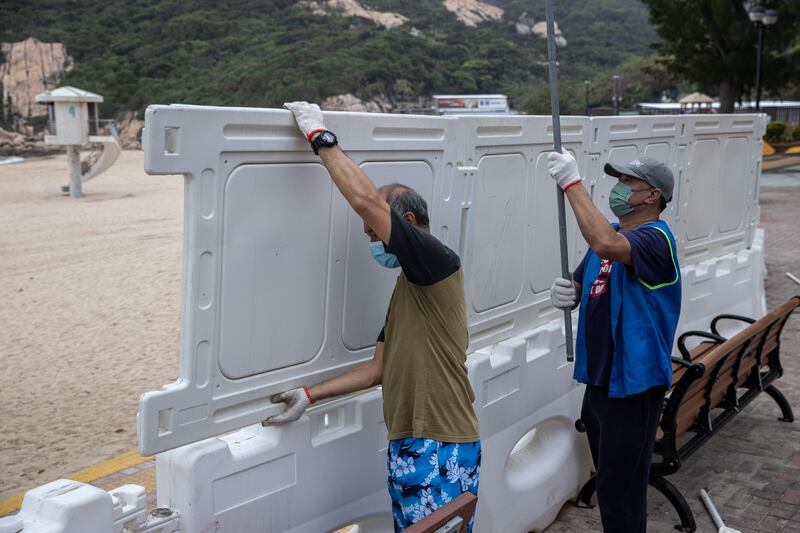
87 475
9 505
106 468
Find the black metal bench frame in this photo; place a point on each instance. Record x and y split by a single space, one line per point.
759 380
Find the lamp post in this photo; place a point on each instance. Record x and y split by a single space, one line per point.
760 17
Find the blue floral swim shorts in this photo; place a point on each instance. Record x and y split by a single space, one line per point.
425 474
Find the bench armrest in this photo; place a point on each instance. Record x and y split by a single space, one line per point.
682 362
740 318
704 334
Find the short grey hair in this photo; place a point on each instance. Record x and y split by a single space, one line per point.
403 199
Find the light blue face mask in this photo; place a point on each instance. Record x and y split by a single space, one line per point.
384 258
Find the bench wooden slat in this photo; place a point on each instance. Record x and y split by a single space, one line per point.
463 506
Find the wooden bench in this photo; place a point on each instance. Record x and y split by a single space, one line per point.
712 383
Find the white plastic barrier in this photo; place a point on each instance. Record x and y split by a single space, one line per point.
732 283
279 290
66 506
279 286
719 209
508 229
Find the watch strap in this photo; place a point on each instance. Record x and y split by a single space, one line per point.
320 141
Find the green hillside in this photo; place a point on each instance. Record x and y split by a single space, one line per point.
263 52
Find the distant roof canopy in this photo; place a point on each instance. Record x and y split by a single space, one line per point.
68 94
675 106
696 98
440 96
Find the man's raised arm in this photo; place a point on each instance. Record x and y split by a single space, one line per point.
355 186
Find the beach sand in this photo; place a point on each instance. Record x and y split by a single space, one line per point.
90 292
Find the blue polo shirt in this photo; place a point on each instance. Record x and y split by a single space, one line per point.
652 262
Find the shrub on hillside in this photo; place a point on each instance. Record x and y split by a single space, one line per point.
796 133
775 131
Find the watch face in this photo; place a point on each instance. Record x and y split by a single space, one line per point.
327 137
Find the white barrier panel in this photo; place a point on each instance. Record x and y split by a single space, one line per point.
279 288
731 283
510 220
719 210
66 506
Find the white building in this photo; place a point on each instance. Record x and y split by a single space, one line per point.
470 104
786 110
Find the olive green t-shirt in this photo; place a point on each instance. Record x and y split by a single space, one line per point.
426 390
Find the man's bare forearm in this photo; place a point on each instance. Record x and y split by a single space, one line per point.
354 185
359 378
358 189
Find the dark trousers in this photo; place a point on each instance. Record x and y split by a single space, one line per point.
621 433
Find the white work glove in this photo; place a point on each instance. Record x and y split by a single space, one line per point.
296 400
563 168
308 117
562 294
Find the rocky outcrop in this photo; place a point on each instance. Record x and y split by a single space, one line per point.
526 25
13 143
473 12
129 129
349 102
353 8
540 29
30 67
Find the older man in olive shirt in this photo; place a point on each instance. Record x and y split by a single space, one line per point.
434 442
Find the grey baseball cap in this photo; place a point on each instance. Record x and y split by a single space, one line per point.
653 171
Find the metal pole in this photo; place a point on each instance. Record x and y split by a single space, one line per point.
562 217
758 64
616 94
711 509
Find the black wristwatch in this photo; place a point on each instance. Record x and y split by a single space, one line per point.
326 138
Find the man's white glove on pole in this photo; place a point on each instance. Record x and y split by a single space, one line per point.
562 294
296 400
308 117
563 168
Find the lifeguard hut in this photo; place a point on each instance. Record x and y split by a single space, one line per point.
696 103
74 121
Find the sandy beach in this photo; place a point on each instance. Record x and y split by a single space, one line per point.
90 292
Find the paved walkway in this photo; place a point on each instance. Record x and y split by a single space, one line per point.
751 468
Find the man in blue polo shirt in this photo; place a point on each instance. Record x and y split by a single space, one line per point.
629 290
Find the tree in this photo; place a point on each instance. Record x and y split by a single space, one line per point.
712 43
